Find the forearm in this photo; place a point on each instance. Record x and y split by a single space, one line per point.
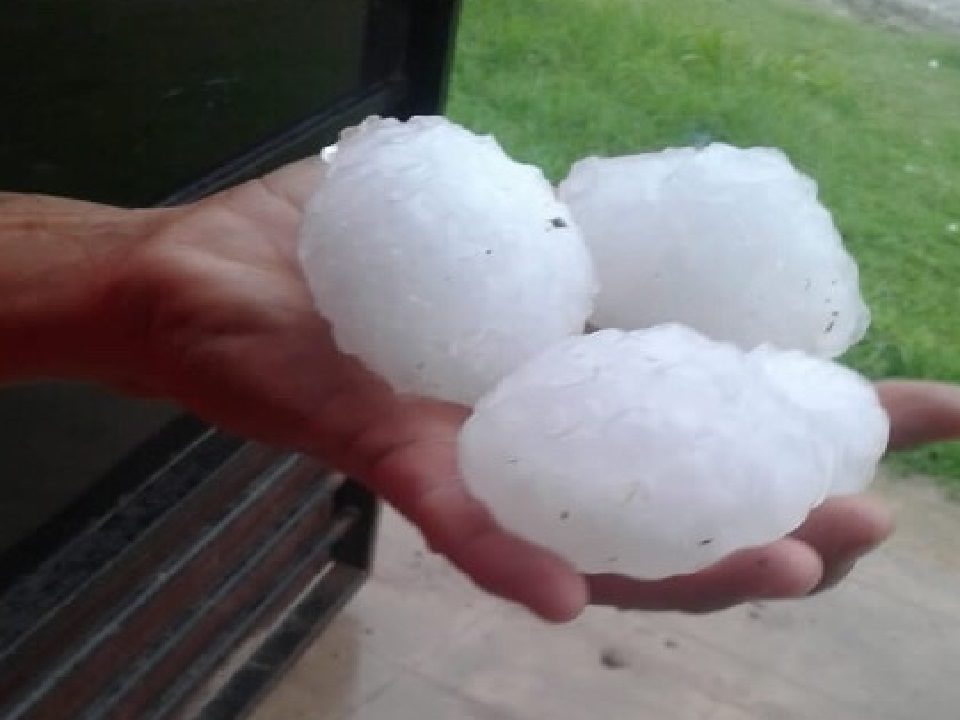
56 257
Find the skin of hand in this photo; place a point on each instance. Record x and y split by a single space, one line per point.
205 304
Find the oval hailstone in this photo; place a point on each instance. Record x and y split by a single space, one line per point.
658 452
440 262
731 242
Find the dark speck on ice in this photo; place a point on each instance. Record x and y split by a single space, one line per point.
558 222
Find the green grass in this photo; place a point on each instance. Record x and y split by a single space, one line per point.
855 106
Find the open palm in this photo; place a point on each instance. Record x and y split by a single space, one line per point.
226 325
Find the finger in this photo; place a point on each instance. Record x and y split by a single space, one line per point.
843 530
785 569
295 182
920 412
421 481
397 425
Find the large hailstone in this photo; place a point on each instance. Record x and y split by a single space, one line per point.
658 452
440 262
731 242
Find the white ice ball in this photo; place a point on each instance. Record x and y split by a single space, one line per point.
842 403
731 242
440 262
658 452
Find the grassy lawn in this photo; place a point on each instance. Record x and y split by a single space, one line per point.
857 107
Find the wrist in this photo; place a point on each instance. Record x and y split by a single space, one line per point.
58 259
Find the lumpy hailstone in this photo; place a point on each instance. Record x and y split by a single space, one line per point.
440 262
658 452
731 242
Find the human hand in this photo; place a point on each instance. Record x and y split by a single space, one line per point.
222 321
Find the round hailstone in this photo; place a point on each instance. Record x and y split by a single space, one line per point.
731 242
657 452
842 403
440 262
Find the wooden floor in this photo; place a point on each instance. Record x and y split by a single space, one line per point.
420 642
